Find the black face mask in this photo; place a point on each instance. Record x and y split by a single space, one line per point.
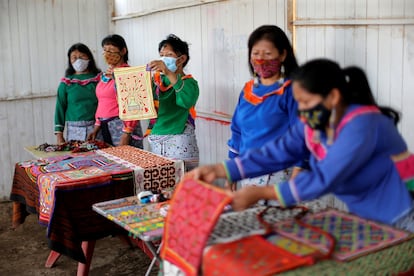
316 117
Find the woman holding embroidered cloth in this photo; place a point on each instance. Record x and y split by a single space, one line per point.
175 93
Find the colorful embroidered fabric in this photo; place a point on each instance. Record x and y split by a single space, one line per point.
151 171
405 168
140 220
48 183
354 236
73 146
194 210
250 256
395 260
134 91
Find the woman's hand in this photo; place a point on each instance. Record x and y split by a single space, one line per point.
207 173
109 71
231 186
92 136
250 195
159 66
125 138
60 139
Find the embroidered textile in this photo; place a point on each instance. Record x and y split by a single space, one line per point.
134 90
194 208
140 220
151 171
49 182
354 236
250 256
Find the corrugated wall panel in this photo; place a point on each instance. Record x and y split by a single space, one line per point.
36 35
217 32
372 34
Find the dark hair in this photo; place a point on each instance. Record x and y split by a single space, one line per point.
179 47
117 41
278 37
85 50
320 76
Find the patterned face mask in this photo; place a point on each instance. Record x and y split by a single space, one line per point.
111 58
316 117
266 68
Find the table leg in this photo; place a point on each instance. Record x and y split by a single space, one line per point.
52 258
87 247
156 253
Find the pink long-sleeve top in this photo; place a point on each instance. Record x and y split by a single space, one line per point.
108 103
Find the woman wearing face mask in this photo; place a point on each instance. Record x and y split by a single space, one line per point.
354 146
176 93
76 100
266 107
114 131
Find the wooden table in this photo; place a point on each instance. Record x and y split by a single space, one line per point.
73 227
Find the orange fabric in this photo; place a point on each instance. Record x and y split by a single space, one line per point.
254 99
192 215
250 256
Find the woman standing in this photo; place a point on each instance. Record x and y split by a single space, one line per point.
76 100
266 107
114 131
176 93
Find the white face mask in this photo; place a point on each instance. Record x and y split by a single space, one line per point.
80 65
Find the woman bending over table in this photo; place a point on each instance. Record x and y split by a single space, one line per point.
356 152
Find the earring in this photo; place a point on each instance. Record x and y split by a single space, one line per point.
331 129
255 80
282 71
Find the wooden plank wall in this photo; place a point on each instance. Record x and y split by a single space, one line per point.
36 35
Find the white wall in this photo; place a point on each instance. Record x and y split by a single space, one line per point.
374 34
217 32
377 35
35 37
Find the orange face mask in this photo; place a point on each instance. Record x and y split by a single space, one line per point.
111 58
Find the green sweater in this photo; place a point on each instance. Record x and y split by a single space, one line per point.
174 105
76 100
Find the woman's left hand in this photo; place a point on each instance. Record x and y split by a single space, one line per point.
250 195
159 66
125 138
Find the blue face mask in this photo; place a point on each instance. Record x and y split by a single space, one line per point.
170 63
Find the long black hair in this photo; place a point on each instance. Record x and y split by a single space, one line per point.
277 36
85 50
117 41
320 76
179 47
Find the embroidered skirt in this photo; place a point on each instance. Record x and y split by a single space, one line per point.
79 130
179 146
111 129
